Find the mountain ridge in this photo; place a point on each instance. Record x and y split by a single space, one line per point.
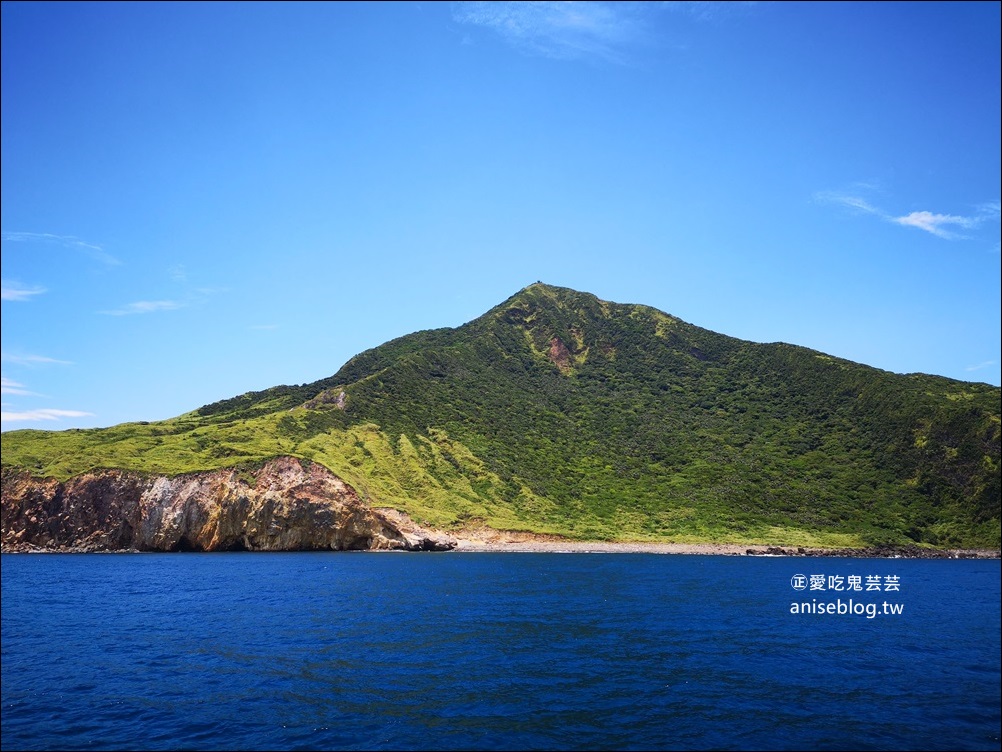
557 412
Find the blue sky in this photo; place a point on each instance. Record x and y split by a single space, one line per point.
200 199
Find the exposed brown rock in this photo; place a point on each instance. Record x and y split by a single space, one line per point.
418 538
285 505
560 355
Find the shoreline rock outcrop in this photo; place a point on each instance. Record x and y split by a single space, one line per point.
886 551
285 505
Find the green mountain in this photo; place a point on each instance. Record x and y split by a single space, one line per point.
558 412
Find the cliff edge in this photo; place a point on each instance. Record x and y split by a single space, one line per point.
285 505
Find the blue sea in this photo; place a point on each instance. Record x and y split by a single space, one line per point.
498 651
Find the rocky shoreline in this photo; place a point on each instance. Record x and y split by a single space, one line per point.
723 549
283 505
484 539
883 552
605 547
290 505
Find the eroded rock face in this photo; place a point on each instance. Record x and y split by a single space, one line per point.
283 506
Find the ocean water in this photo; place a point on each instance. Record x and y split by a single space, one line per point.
497 651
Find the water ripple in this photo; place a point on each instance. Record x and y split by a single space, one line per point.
337 651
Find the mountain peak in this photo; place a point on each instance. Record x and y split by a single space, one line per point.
560 412
541 293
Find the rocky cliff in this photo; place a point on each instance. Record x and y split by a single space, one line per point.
285 505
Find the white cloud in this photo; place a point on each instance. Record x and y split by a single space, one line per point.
562 30
145 306
937 224
934 223
853 202
979 366
10 290
9 386
31 360
43 414
705 10
93 250
991 210
578 30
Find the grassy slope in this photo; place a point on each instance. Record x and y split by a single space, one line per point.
634 425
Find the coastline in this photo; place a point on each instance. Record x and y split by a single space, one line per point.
716 549
601 547
483 539
604 547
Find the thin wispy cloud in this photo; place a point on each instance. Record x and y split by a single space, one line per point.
852 202
9 386
47 413
980 366
608 31
31 360
941 225
93 250
144 306
189 296
991 210
937 223
561 30
705 10
10 290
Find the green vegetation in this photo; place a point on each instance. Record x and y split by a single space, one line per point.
558 412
